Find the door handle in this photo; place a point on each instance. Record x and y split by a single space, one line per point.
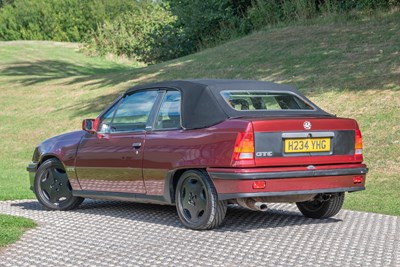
136 145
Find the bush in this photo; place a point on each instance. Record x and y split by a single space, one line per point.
147 33
266 12
58 20
207 21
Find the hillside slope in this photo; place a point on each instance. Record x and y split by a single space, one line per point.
350 69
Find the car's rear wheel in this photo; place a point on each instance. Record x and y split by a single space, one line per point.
52 187
197 201
323 206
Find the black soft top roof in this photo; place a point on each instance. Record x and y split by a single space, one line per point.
204 106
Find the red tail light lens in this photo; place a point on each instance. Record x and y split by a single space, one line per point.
358 147
357 179
244 146
259 185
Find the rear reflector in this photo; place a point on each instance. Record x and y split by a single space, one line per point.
259 185
357 179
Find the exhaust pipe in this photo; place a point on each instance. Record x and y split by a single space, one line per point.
261 206
260 203
251 204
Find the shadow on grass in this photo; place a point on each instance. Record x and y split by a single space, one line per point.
90 77
236 220
31 73
311 77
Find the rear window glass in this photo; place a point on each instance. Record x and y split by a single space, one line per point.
263 100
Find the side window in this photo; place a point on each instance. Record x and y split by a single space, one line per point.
131 113
264 100
107 118
169 116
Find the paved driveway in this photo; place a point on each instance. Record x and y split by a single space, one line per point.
128 234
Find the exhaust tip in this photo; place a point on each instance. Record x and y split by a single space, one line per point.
261 206
251 204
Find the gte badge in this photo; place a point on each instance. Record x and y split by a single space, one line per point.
264 154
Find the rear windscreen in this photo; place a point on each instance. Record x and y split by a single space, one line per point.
264 100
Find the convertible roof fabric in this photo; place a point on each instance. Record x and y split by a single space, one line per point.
204 106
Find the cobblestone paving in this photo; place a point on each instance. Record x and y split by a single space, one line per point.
128 234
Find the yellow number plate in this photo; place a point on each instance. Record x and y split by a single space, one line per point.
305 145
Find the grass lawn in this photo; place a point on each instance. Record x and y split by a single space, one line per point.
351 69
11 228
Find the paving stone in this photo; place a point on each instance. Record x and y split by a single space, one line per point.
106 233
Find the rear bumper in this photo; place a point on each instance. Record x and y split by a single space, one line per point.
32 168
238 183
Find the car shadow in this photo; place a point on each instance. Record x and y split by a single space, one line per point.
237 219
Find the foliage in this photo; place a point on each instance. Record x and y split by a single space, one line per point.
57 20
207 21
147 33
144 29
3 2
272 12
156 35
267 12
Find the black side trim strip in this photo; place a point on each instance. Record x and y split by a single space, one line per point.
120 196
287 193
292 174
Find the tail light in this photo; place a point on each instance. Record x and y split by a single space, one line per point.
358 147
243 152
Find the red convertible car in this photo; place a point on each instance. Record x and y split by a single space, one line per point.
203 144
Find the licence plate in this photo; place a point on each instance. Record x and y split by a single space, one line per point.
304 145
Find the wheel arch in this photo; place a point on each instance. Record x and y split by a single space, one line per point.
45 157
172 181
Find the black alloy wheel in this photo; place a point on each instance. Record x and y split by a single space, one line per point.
52 187
197 201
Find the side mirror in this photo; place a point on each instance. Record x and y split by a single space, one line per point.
88 125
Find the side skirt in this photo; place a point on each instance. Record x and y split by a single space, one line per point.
130 197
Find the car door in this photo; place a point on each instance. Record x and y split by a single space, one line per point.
163 143
111 159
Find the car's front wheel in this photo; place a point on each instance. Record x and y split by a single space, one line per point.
52 187
197 201
323 206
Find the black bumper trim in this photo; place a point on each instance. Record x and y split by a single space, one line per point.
287 193
291 174
32 167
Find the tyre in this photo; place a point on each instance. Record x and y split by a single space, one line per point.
52 187
197 201
322 207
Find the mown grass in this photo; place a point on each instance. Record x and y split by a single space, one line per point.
11 228
351 69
